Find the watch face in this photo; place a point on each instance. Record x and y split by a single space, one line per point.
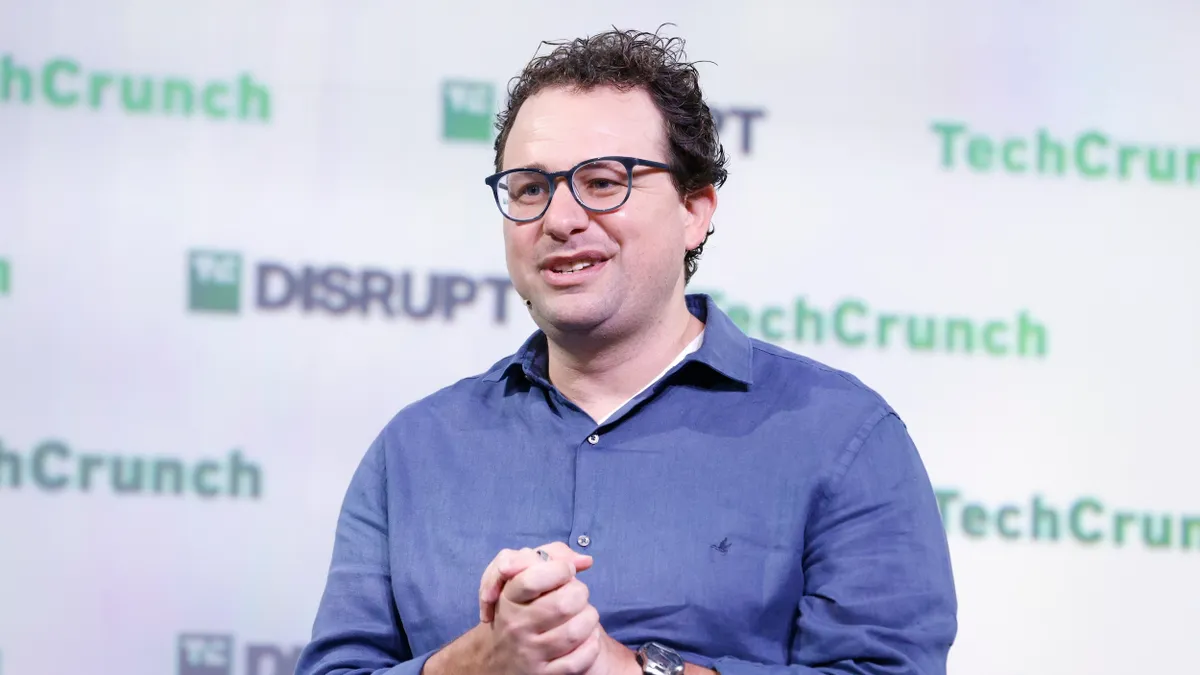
660 660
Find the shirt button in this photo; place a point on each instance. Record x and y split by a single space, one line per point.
593 439
584 540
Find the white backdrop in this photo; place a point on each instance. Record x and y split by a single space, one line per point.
963 164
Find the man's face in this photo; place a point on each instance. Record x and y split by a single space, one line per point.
636 252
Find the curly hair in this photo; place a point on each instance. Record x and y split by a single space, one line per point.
627 59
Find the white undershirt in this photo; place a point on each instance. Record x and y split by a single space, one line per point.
691 347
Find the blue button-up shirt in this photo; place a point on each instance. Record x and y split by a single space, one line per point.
754 509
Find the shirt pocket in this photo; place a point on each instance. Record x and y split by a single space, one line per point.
744 585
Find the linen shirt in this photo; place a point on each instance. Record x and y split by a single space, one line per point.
754 509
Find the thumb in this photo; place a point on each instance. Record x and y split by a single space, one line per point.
559 550
583 562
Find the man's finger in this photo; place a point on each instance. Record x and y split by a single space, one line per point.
505 566
509 563
491 570
490 585
580 659
559 550
556 550
537 580
508 558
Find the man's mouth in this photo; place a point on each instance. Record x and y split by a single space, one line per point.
570 269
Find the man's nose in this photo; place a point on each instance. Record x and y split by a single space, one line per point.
564 216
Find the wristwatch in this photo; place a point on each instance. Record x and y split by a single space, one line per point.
657 659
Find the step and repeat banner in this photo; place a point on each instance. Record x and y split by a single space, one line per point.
235 238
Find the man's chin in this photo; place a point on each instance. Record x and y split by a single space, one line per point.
570 315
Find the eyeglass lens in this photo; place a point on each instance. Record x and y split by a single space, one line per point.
599 186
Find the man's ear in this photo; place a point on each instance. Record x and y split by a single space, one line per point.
700 206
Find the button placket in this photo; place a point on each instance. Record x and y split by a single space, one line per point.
583 521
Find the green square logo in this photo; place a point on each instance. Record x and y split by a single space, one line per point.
5 277
467 110
214 281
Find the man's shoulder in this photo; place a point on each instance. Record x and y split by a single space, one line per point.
467 398
795 379
827 411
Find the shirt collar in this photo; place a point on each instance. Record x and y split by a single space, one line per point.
726 349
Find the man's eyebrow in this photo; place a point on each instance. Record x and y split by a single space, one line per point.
531 165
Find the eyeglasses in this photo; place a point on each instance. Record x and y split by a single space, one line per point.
600 185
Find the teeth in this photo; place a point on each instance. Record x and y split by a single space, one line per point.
573 268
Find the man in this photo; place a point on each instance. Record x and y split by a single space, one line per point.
641 488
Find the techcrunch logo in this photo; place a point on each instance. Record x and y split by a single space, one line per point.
1090 154
63 82
1085 520
469 110
215 286
213 654
853 323
54 467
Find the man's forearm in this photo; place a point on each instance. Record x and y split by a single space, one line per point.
464 656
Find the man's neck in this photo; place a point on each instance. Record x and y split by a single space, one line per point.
599 376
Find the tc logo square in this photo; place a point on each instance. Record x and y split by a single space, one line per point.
467 109
201 654
214 281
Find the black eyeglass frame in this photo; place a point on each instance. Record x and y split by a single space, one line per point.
493 181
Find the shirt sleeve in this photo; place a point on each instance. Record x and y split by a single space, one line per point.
879 591
357 630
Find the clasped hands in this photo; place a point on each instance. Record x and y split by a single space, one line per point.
540 618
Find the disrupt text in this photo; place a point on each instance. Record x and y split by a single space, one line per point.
339 290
